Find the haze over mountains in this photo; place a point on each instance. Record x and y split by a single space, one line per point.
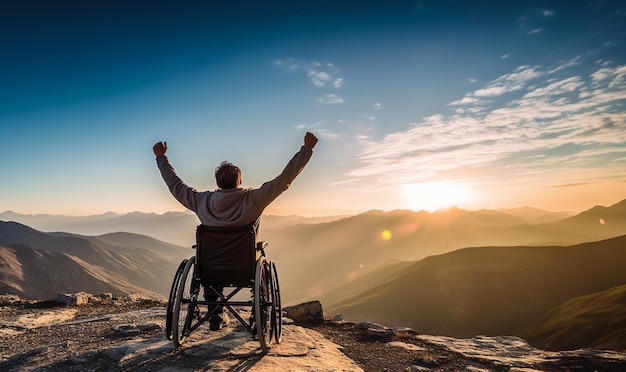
313 257
399 268
172 227
317 258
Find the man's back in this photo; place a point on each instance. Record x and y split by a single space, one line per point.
234 206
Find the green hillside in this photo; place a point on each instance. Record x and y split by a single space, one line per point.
597 320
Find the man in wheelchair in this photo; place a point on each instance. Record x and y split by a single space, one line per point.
230 205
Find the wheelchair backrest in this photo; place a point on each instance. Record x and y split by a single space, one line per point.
226 256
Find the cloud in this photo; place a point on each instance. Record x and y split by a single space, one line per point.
319 79
509 83
553 126
566 64
320 74
330 99
534 31
318 130
464 101
378 106
559 87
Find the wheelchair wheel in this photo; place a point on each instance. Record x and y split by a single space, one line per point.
172 298
182 302
277 311
263 294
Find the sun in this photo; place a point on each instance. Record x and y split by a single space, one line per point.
431 196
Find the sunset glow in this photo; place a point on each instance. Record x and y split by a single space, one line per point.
431 196
525 109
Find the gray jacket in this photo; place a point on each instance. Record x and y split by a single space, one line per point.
232 207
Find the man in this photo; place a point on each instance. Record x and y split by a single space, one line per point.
230 205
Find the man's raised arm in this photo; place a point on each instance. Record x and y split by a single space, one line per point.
185 194
160 148
309 140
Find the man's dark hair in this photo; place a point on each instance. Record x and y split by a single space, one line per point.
227 175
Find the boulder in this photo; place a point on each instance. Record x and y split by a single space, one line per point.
306 313
80 298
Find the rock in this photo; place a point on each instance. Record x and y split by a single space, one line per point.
379 332
306 313
138 297
419 369
80 298
404 331
338 318
370 325
147 327
7 299
126 331
105 296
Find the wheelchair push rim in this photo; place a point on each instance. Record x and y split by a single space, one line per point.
172 298
263 294
182 303
277 311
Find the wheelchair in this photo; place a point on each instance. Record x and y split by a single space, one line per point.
227 260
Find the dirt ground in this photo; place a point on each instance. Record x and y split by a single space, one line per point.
85 343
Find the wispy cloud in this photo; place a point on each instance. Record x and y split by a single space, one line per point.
544 123
320 74
509 83
330 99
319 130
576 61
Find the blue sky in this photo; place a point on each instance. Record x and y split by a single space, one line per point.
417 104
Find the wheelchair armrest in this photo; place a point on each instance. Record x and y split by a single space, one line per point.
261 245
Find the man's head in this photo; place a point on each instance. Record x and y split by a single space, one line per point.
227 175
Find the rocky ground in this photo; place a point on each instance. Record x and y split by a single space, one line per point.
121 335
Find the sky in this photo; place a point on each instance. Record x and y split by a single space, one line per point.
417 104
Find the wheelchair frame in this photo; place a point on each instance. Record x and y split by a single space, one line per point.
185 311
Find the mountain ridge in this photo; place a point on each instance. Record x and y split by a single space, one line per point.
317 258
120 269
486 290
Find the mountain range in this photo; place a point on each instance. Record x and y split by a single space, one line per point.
522 291
452 272
174 227
316 255
34 264
315 259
